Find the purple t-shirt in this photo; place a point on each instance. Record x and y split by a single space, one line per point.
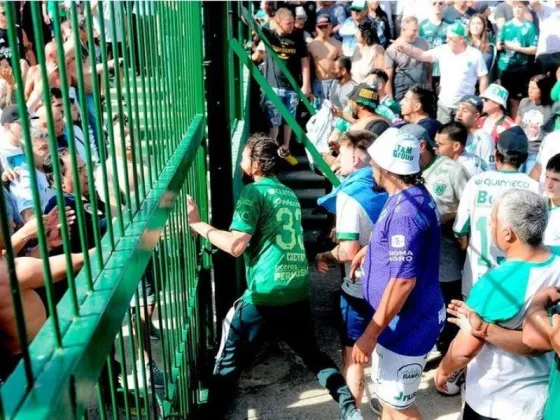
405 244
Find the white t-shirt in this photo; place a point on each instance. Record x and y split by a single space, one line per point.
352 223
552 232
11 156
459 73
480 143
472 163
549 36
446 180
473 216
550 147
22 192
500 384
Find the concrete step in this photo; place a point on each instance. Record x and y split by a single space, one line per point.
301 178
308 196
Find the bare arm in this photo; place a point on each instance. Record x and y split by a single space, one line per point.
344 252
483 83
306 76
536 172
389 88
30 271
234 243
533 334
414 52
395 296
462 350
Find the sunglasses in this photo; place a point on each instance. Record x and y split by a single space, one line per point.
323 26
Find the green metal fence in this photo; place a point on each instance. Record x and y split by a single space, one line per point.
92 356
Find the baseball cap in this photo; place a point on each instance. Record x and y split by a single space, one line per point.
513 141
397 152
496 93
358 5
474 101
323 18
365 95
480 6
300 12
419 132
457 29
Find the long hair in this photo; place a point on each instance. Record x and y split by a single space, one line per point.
545 85
484 41
368 30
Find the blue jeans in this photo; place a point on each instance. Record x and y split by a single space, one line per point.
321 89
243 328
527 167
289 98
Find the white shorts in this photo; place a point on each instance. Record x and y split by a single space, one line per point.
396 377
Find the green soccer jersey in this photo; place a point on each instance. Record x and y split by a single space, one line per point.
523 35
436 35
389 108
275 259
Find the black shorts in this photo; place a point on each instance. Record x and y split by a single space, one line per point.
516 83
470 414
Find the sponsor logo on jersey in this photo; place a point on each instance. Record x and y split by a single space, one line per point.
398 241
439 188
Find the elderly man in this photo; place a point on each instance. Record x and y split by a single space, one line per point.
403 70
400 278
461 67
503 381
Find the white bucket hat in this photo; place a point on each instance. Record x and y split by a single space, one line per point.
496 93
397 152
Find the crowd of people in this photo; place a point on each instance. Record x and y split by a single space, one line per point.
442 121
30 184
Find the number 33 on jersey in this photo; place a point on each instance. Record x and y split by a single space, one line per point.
275 260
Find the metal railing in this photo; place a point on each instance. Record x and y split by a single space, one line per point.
143 149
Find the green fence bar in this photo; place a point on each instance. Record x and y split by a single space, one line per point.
290 120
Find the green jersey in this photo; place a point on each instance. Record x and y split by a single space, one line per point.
521 34
436 35
275 259
389 108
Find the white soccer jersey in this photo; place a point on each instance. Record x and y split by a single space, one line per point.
473 217
552 232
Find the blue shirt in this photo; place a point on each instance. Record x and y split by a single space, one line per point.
405 244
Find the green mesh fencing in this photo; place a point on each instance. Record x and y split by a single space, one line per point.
129 148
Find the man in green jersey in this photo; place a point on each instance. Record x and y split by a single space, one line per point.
517 40
434 30
266 230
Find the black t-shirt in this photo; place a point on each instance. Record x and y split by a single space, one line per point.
5 48
290 48
431 126
452 15
74 231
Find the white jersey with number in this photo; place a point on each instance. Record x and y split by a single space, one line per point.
473 217
552 232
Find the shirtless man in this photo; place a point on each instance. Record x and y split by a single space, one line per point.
30 275
324 50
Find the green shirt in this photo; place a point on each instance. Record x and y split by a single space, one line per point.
275 260
389 108
523 35
436 35
51 5
552 409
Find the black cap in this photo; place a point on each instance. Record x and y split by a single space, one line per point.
513 141
365 95
324 18
9 115
474 101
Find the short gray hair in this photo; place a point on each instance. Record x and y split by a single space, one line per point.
408 20
526 213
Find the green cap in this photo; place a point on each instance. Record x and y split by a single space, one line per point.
358 5
457 29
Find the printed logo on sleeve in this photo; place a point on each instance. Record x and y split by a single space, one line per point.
398 241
